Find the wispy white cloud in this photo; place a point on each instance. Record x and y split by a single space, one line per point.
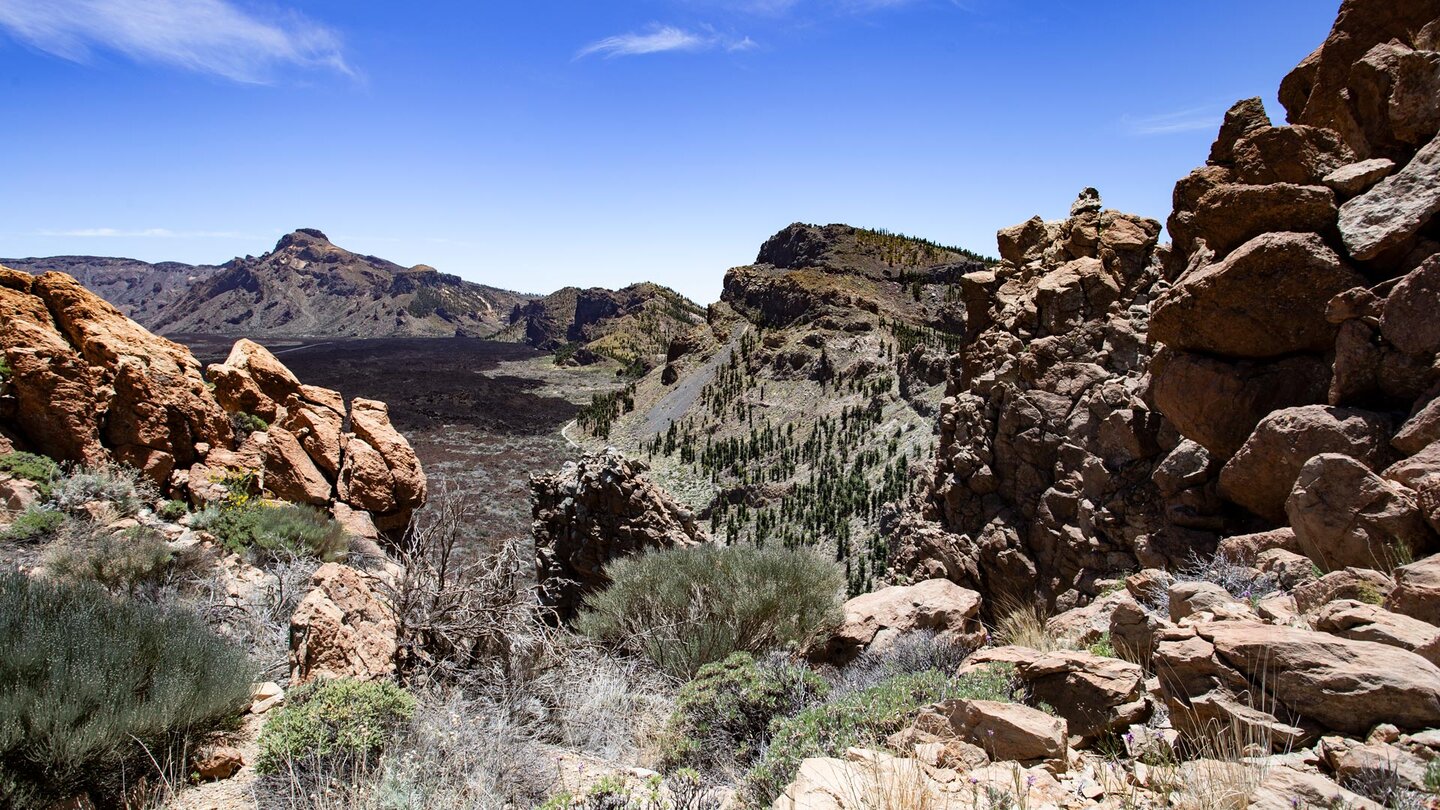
207 36
1187 120
143 233
663 39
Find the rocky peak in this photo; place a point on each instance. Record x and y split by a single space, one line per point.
302 236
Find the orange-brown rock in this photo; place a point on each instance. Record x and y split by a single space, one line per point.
365 480
342 629
1267 299
874 621
81 367
289 474
1260 476
370 420
253 381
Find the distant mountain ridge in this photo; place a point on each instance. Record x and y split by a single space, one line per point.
306 287
309 287
142 290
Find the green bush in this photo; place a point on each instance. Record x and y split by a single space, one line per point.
688 607
40 469
332 722
132 561
33 525
246 423
723 716
89 684
274 531
173 510
123 487
863 718
6 372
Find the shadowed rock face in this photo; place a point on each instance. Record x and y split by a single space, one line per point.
594 511
89 385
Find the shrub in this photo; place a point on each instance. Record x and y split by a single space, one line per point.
40 469
912 653
865 717
135 560
90 684
173 510
688 607
274 531
123 487
246 423
1240 581
344 722
724 714
33 525
6 372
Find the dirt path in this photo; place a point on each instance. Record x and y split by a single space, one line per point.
673 405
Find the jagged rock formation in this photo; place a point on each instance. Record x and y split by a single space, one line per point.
139 289
87 384
633 325
1306 274
595 511
1052 473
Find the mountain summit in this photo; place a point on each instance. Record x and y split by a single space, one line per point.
309 286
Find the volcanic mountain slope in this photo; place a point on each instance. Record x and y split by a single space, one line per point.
309 287
633 326
141 290
792 413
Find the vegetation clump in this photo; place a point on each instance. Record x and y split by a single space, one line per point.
246 423
688 607
31 467
33 525
124 488
95 688
132 561
723 716
862 718
327 725
274 531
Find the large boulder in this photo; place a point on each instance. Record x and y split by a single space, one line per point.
1095 694
1316 678
1409 321
1218 403
1005 731
94 385
1345 515
873 621
253 381
342 628
592 512
1390 215
1417 590
1266 299
370 420
1364 622
1263 471
1234 213
1420 474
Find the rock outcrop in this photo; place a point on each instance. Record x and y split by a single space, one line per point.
342 628
1052 471
90 385
874 621
592 512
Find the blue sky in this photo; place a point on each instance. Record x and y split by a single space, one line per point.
532 144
